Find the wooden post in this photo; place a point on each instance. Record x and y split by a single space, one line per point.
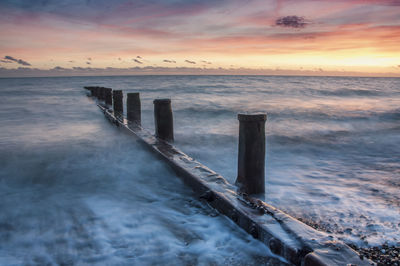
251 159
163 119
102 93
108 96
118 104
133 108
95 91
99 92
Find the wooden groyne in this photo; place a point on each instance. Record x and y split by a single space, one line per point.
287 237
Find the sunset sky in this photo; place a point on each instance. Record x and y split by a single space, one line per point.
241 36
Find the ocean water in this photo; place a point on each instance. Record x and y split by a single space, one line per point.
76 190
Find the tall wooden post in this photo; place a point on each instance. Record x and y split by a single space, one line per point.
133 108
163 119
108 96
118 103
251 159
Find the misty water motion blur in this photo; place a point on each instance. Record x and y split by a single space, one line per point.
74 189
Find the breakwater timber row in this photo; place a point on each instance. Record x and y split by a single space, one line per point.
287 237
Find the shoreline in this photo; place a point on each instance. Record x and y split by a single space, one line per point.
382 255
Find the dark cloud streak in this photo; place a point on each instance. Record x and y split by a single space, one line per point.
58 68
291 22
18 61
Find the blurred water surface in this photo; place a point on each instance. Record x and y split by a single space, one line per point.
76 190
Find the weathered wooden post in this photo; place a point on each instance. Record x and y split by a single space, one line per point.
163 119
133 108
94 91
98 93
102 93
108 96
251 159
117 99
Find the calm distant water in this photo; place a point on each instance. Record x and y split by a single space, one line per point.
74 189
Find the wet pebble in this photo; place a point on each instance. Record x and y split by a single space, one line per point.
383 255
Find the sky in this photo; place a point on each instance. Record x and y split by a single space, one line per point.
311 37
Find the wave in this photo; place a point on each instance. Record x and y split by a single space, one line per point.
336 115
322 115
206 112
345 92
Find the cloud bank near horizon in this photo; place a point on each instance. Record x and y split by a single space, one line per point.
151 70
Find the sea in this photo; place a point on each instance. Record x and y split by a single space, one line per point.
75 190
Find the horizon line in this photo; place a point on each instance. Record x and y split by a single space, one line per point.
202 74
